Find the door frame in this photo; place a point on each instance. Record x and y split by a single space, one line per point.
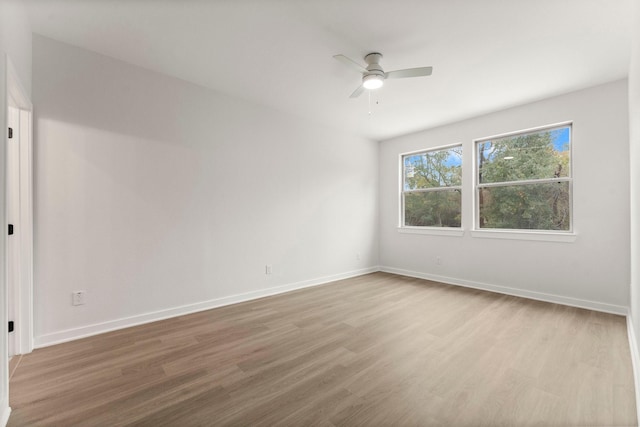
10 86
23 304
12 211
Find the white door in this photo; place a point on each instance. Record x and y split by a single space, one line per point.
13 213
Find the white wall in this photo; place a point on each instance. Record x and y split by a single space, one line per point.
634 127
153 193
594 268
634 155
15 38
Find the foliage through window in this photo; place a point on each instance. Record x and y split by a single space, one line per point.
524 181
432 188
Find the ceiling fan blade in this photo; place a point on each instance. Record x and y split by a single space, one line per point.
350 62
356 93
410 72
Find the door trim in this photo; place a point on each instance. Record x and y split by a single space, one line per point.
24 298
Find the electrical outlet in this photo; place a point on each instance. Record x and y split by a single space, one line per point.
78 297
268 269
438 260
358 256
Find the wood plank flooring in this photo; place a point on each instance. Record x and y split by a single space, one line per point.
374 350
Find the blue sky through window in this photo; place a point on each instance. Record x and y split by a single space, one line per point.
425 164
454 158
560 138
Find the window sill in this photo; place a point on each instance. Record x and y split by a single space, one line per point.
433 231
541 236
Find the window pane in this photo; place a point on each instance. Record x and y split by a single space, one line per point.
529 207
432 209
536 155
432 169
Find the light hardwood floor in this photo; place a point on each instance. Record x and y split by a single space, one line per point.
374 350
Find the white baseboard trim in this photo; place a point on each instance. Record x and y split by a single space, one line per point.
5 412
635 361
99 328
540 296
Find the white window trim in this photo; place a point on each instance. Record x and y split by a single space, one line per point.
541 236
525 131
434 231
517 234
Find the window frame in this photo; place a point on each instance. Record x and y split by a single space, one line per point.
517 233
441 231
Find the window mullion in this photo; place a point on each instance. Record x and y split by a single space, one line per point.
426 190
524 182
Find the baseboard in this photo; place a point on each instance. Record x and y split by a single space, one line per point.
540 296
635 361
5 412
99 328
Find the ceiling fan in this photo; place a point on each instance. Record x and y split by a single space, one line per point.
373 76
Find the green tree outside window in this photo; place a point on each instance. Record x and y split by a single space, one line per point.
432 189
524 181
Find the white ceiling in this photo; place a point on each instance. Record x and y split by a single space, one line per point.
487 54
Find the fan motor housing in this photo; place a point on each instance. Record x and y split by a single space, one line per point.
373 65
373 58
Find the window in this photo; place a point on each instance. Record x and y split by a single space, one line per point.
432 188
524 180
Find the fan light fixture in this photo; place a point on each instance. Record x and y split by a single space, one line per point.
372 81
373 76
